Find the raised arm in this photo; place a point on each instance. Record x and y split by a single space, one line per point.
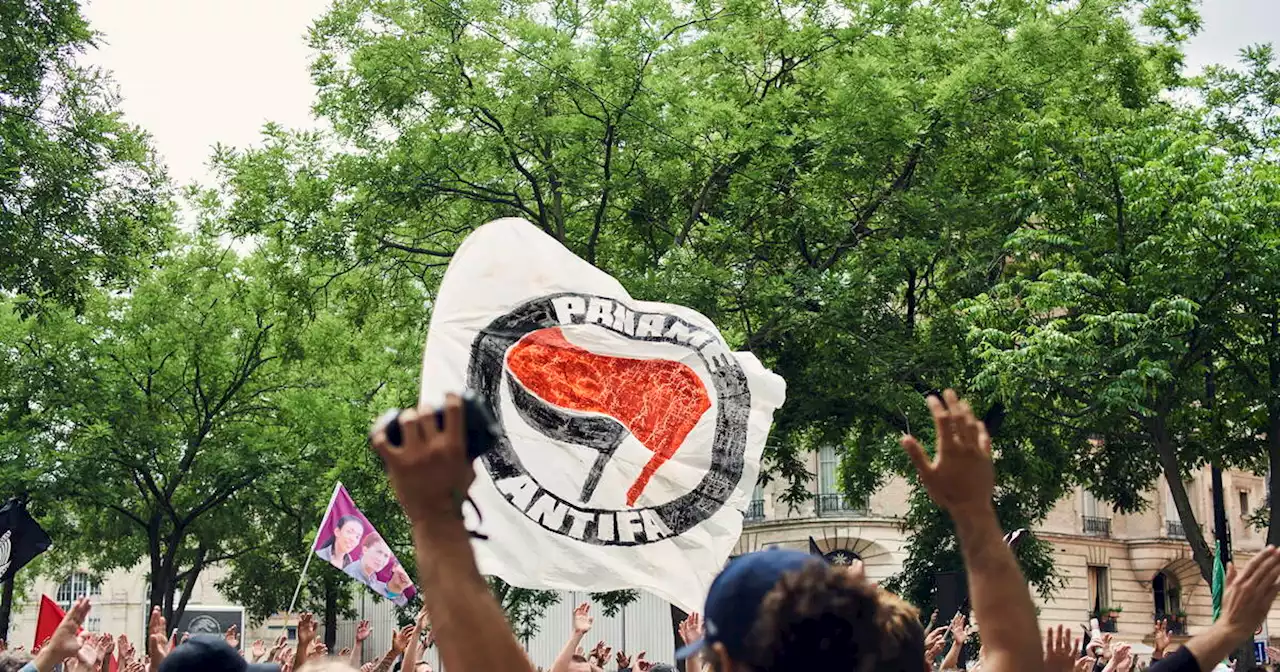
582 621
961 479
1249 596
306 637
430 473
959 633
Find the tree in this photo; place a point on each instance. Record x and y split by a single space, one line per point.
165 417
826 183
84 200
1242 108
1114 311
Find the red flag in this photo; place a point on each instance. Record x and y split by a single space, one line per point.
50 616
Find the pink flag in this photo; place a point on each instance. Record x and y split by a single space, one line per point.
348 541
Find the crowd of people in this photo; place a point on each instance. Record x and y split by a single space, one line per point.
770 611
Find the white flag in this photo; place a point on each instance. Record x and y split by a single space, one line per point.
631 434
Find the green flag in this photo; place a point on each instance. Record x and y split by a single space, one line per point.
1219 581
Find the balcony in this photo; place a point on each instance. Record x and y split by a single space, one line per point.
755 511
836 504
1174 530
1097 527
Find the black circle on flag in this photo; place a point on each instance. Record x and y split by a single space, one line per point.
573 395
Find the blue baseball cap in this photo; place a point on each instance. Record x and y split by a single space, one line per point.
733 603
210 653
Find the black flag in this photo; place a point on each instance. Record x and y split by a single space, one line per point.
21 538
814 550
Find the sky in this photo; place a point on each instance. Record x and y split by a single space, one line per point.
199 72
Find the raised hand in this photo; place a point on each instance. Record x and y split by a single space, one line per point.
67 643
582 619
232 637
691 628
1123 658
158 643
363 630
259 649
1160 639
1060 650
306 630
1251 592
642 665
125 648
430 471
400 639
959 627
318 649
934 642
601 653
623 660
961 476
278 649
105 645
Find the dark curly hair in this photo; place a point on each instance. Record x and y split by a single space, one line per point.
822 617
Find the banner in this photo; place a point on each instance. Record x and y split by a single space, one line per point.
347 540
632 434
21 539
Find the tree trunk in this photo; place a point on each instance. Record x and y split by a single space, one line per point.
6 606
1168 457
331 611
1273 454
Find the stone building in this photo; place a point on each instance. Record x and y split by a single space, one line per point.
1140 563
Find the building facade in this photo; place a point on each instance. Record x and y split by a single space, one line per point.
1128 570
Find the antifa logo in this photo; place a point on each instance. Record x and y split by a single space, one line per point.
598 398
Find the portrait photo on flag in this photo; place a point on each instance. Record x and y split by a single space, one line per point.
631 432
348 541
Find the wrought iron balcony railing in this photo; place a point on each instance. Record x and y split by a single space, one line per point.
755 510
1098 527
836 504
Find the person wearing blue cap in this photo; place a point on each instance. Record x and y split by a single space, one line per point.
210 653
785 611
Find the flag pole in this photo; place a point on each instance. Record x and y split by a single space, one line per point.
307 564
294 602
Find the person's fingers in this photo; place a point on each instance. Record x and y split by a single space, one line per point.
455 420
952 400
1262 564
939 412
917 455
413 427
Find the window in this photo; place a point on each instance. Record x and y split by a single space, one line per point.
828 471
76 586
1090 505
1244 504
93 624
1099 590
1095 522
755 508
830 499
1167 595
